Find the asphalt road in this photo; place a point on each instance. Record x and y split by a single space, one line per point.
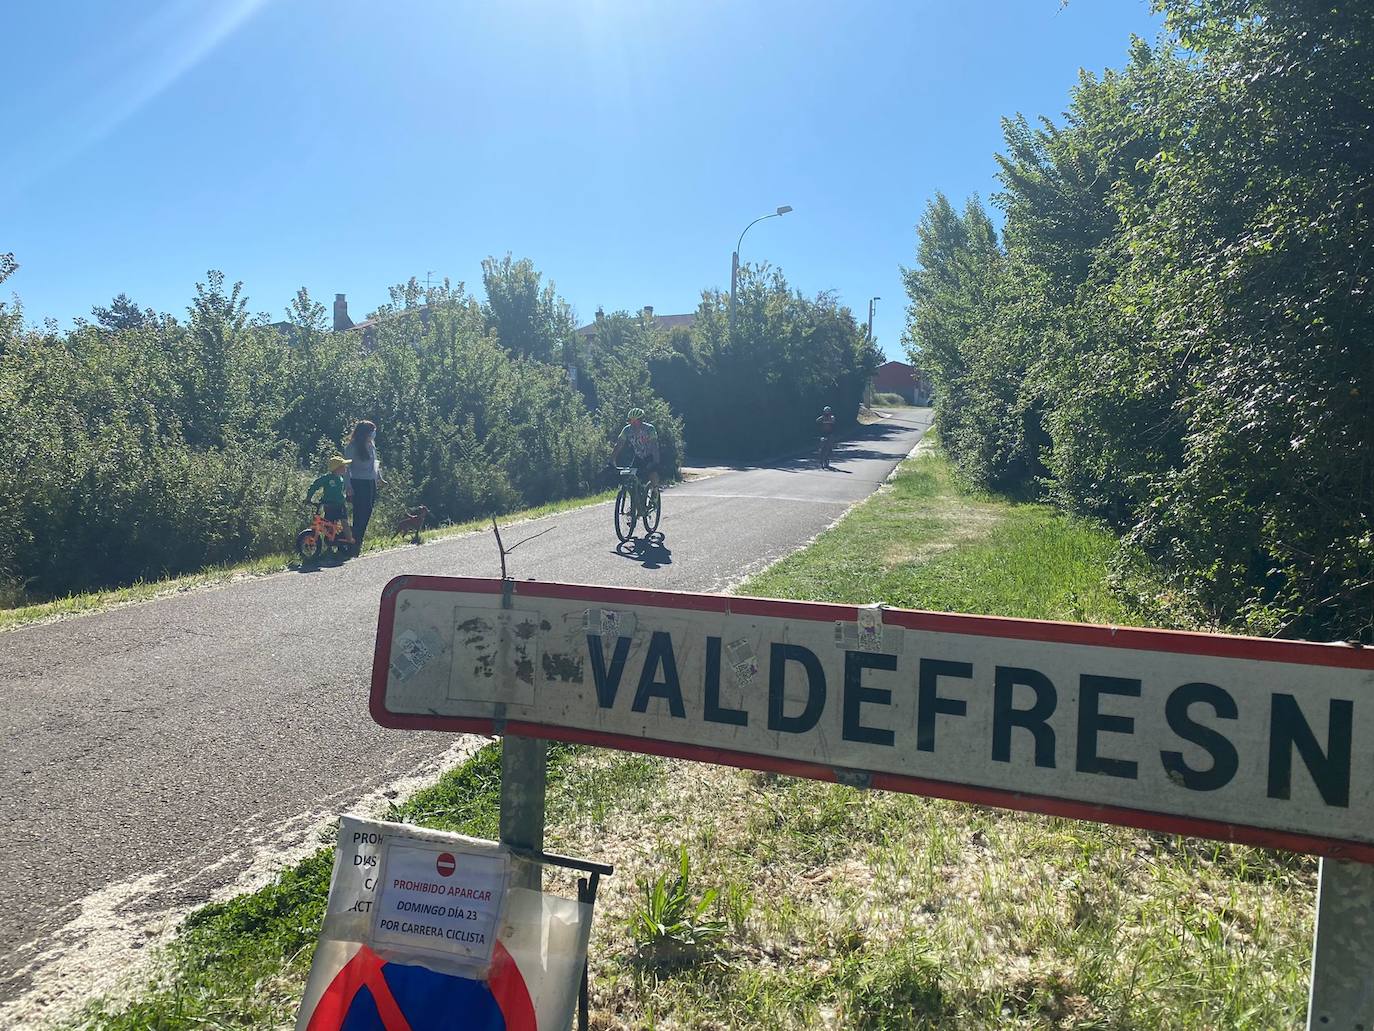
162 754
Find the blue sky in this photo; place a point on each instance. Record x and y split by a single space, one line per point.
345 145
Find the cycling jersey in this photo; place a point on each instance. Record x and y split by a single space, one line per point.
643 440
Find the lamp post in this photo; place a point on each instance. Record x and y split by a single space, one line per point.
734 261
868 387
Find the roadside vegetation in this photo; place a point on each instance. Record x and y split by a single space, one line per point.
144 446
146 590
886 400
1171 331
752 900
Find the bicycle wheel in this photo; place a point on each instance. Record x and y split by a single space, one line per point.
625 514
653 510
309 545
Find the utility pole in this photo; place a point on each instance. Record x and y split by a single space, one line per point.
868 386
734 275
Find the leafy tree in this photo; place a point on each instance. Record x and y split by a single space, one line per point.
307 316
758 391
122 313
141 446
528 317
1174 331
8 266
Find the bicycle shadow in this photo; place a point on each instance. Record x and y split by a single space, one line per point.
649 551
317 565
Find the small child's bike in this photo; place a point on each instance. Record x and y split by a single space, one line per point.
320 536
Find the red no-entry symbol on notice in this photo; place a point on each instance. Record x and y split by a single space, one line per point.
444 864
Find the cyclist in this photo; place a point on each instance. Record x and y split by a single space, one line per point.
641 438
825 426
333 490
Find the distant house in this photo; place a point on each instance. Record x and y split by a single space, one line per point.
900 378
366 330
647 313
368 327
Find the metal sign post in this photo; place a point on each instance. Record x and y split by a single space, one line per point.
1261 742
524 763
1342 993
524 767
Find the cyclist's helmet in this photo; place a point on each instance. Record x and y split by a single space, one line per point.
825 410
636 413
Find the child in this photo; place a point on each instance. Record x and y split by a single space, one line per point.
333 490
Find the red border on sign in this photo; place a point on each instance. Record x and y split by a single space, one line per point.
1170 641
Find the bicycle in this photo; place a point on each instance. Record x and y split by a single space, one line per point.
633 503
322 534
824 450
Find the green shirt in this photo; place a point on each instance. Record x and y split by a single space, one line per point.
333 485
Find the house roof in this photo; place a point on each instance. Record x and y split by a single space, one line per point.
420 309
659 322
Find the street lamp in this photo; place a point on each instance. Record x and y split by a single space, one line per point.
734 261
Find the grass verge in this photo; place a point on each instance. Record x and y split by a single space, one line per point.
831 907
146 590
925 543
875 910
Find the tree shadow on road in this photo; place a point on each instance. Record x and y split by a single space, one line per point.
649 551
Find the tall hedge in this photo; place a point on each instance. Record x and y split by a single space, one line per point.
145 445
1174 330
141 445
757 391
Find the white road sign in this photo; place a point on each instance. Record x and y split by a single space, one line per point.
437 898
1266 742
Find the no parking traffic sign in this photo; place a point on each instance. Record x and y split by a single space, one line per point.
425 930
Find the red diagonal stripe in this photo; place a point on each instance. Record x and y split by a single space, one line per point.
363 970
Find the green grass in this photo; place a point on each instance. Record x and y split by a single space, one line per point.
843 908
97 601
243 963
877 910
925 543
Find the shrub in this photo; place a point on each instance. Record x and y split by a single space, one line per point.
1172 331
670 926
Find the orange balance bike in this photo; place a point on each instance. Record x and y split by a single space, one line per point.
321 536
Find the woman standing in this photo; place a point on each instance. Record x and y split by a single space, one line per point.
364 474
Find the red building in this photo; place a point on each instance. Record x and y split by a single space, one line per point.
900 378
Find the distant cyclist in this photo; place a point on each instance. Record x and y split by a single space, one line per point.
825 426
641 438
